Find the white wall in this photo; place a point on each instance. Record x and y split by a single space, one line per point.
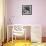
38 16
1 20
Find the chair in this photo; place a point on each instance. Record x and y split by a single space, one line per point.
17 31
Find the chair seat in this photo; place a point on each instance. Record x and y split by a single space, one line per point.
18 33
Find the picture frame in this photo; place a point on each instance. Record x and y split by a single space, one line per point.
26 9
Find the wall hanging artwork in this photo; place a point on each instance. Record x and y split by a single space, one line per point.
26 9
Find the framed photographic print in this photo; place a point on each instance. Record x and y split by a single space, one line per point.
26 9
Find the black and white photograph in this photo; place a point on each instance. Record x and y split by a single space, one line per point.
26 9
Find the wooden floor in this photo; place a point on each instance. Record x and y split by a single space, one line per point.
18 43
23 43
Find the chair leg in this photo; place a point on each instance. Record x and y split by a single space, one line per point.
15 38
2 44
